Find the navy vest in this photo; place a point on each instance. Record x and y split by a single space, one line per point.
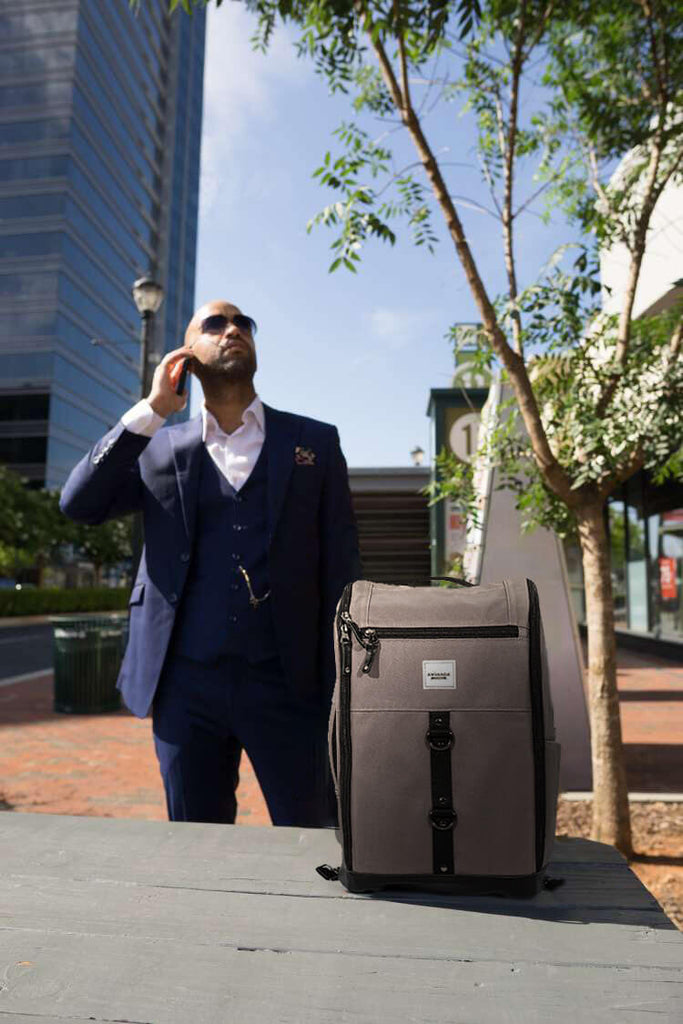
215 617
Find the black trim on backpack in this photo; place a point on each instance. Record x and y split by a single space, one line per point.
508 886
440 740
537 726
345 726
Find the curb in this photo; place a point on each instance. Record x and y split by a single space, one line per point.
26 677
667 798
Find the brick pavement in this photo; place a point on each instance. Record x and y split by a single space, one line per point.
105 764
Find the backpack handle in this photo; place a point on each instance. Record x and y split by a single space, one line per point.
453 579
448 579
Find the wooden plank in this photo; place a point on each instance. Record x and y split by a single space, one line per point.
170 982
209 852
283 861
364 928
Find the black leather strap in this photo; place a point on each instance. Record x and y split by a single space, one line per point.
440 740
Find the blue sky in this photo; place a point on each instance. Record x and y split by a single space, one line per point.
361 351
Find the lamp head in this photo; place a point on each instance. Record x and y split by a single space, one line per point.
148 295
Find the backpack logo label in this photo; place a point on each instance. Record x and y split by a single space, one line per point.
438 675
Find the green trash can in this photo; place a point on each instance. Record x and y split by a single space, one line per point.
88 650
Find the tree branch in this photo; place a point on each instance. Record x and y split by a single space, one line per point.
472 204
595 175
630 467
675 342
541 29
660 62
508 154
402 54
534 195
489 181
555 476
653 190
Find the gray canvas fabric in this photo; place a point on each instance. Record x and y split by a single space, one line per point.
504 761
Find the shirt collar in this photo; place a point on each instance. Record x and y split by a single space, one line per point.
211 428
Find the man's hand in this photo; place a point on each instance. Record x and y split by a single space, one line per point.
163 397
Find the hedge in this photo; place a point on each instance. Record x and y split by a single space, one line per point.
48 601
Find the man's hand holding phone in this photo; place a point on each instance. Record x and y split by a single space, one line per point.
170 387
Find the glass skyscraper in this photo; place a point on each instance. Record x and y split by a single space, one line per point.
100 125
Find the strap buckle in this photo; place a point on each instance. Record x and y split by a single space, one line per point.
440 739
443 818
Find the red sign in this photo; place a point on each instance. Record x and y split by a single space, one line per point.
667 579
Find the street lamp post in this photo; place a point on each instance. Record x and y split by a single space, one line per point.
148 296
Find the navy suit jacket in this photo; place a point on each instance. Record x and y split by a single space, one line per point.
312 540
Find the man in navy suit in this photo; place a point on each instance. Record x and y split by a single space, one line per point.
250 539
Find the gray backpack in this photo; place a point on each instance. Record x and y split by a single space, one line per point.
442 740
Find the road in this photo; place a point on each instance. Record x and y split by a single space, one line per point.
25 649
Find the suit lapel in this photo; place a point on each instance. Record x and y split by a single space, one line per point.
282 434
186 445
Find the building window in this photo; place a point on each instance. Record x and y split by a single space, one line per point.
636 558
24 407
666 556
15 450
617 538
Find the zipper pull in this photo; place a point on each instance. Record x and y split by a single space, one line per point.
371 644
350 626
366 637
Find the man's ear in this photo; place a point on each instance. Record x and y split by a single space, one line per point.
191 333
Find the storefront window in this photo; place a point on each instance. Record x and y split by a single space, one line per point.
646 554
636 561
572 554
666 552
617 537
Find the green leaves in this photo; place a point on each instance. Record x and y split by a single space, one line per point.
33 528
355 213
564 90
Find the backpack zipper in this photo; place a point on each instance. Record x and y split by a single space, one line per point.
369 636
345 643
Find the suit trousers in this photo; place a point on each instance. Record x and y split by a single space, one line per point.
204 715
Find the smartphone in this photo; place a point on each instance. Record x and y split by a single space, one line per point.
182 377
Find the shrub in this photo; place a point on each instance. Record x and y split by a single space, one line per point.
49 601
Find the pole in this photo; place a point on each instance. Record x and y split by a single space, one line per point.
145 333
145 384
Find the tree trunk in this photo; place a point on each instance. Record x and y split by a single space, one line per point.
611 821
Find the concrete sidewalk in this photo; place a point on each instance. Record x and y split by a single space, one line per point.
105 764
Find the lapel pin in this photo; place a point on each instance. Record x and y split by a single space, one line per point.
304 456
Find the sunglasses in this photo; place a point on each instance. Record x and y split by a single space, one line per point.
217 323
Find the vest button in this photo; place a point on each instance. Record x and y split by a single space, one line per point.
234 586
185 556
173 598
236 557
233 618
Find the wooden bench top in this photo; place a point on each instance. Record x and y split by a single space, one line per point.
143 921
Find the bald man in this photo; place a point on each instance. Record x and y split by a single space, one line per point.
250 539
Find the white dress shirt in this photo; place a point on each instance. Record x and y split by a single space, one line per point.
235 454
